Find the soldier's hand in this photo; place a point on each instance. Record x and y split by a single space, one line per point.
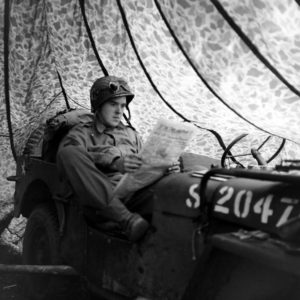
128 164
174 168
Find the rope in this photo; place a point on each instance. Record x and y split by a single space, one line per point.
201 77
142 64
81 2
298 2
63 90
252 47
77 103
218 137
6 76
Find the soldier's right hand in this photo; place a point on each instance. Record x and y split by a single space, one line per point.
128 164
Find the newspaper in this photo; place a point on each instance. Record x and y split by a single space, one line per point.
163 147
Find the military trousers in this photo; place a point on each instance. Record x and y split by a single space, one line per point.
91 186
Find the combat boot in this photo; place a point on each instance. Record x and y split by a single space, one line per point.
135 227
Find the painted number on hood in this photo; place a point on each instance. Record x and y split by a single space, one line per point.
194 200
242 204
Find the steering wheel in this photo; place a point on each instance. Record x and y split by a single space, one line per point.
254 152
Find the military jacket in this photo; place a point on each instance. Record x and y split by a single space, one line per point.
104 145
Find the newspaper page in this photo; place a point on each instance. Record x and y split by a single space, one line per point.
163 147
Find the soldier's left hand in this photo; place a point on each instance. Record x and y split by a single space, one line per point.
174 168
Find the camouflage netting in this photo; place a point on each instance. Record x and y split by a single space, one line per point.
244 95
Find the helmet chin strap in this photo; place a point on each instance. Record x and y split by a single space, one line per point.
129 114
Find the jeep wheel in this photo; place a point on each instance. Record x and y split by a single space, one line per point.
41 247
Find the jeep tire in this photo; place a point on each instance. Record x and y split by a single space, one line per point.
41 247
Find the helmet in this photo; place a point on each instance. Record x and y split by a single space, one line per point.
109 87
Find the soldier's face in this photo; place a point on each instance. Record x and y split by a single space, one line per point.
111 112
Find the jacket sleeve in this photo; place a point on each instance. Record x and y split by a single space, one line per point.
104 156
75 137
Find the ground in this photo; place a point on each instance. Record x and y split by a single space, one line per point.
10 253
10 283
10 287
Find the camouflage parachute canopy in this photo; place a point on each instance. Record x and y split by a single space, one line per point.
229 67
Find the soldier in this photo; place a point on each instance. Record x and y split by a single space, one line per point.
94 156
